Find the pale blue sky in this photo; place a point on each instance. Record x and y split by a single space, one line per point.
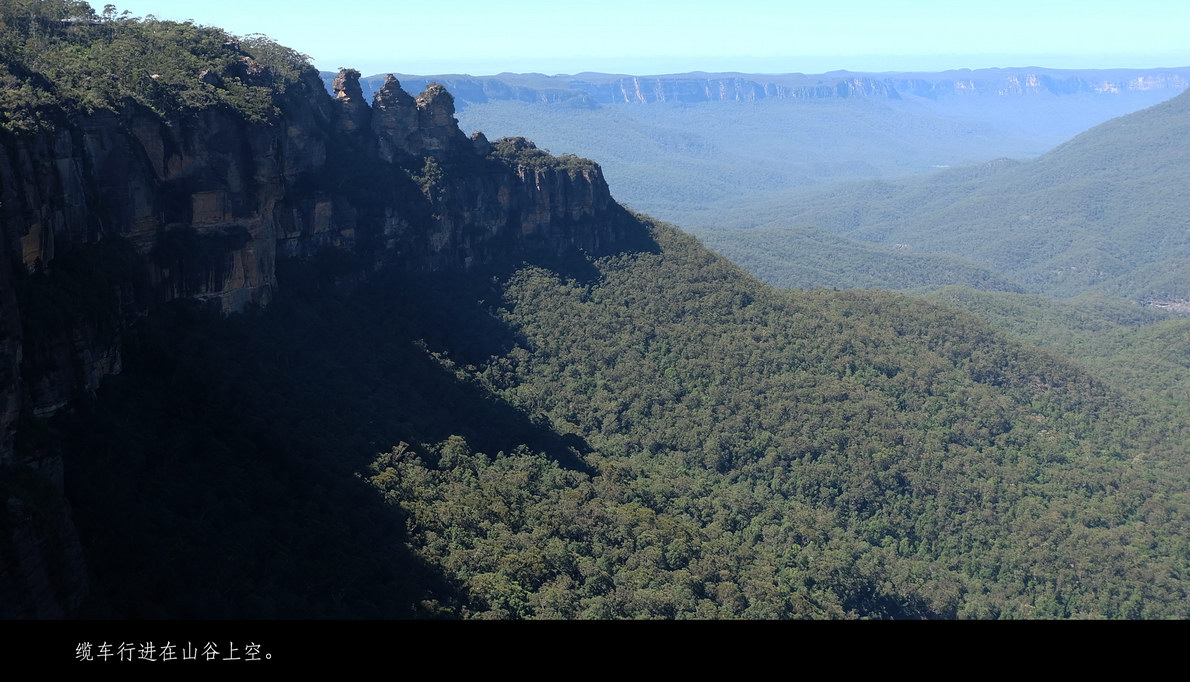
644 37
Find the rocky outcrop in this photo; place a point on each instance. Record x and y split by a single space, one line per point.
395 121
113 213
546 205
438 131
406 128
480 141
354 115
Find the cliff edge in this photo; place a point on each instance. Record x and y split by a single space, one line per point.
108 209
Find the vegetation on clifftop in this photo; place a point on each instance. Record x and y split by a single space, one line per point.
521 153
62 55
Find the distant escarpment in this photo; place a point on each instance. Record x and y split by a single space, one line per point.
108 211
590 90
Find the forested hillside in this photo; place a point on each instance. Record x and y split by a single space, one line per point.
698 445
1097 221
805 258
1142 351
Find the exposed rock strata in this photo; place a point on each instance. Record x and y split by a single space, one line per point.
112 213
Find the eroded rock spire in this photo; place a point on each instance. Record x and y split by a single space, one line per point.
354 112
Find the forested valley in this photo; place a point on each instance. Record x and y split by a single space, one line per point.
323 359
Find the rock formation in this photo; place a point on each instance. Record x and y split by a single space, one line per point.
394 121
112 213
354 113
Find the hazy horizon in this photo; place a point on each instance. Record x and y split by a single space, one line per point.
684 72
755 36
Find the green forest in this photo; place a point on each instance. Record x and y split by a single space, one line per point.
657 435
59 57
1142 351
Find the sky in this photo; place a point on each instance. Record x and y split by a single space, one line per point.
483 37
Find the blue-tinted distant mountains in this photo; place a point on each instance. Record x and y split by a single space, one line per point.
596 89
1106 213
728 149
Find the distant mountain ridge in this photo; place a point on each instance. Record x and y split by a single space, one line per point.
713 150
595 89
1103 212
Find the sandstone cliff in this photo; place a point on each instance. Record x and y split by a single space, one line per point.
105 215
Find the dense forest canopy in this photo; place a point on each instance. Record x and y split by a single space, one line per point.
687 443
1144 352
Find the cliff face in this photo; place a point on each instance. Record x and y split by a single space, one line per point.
688 90
111 213
1040 83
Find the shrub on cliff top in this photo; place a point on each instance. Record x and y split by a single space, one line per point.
519 152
